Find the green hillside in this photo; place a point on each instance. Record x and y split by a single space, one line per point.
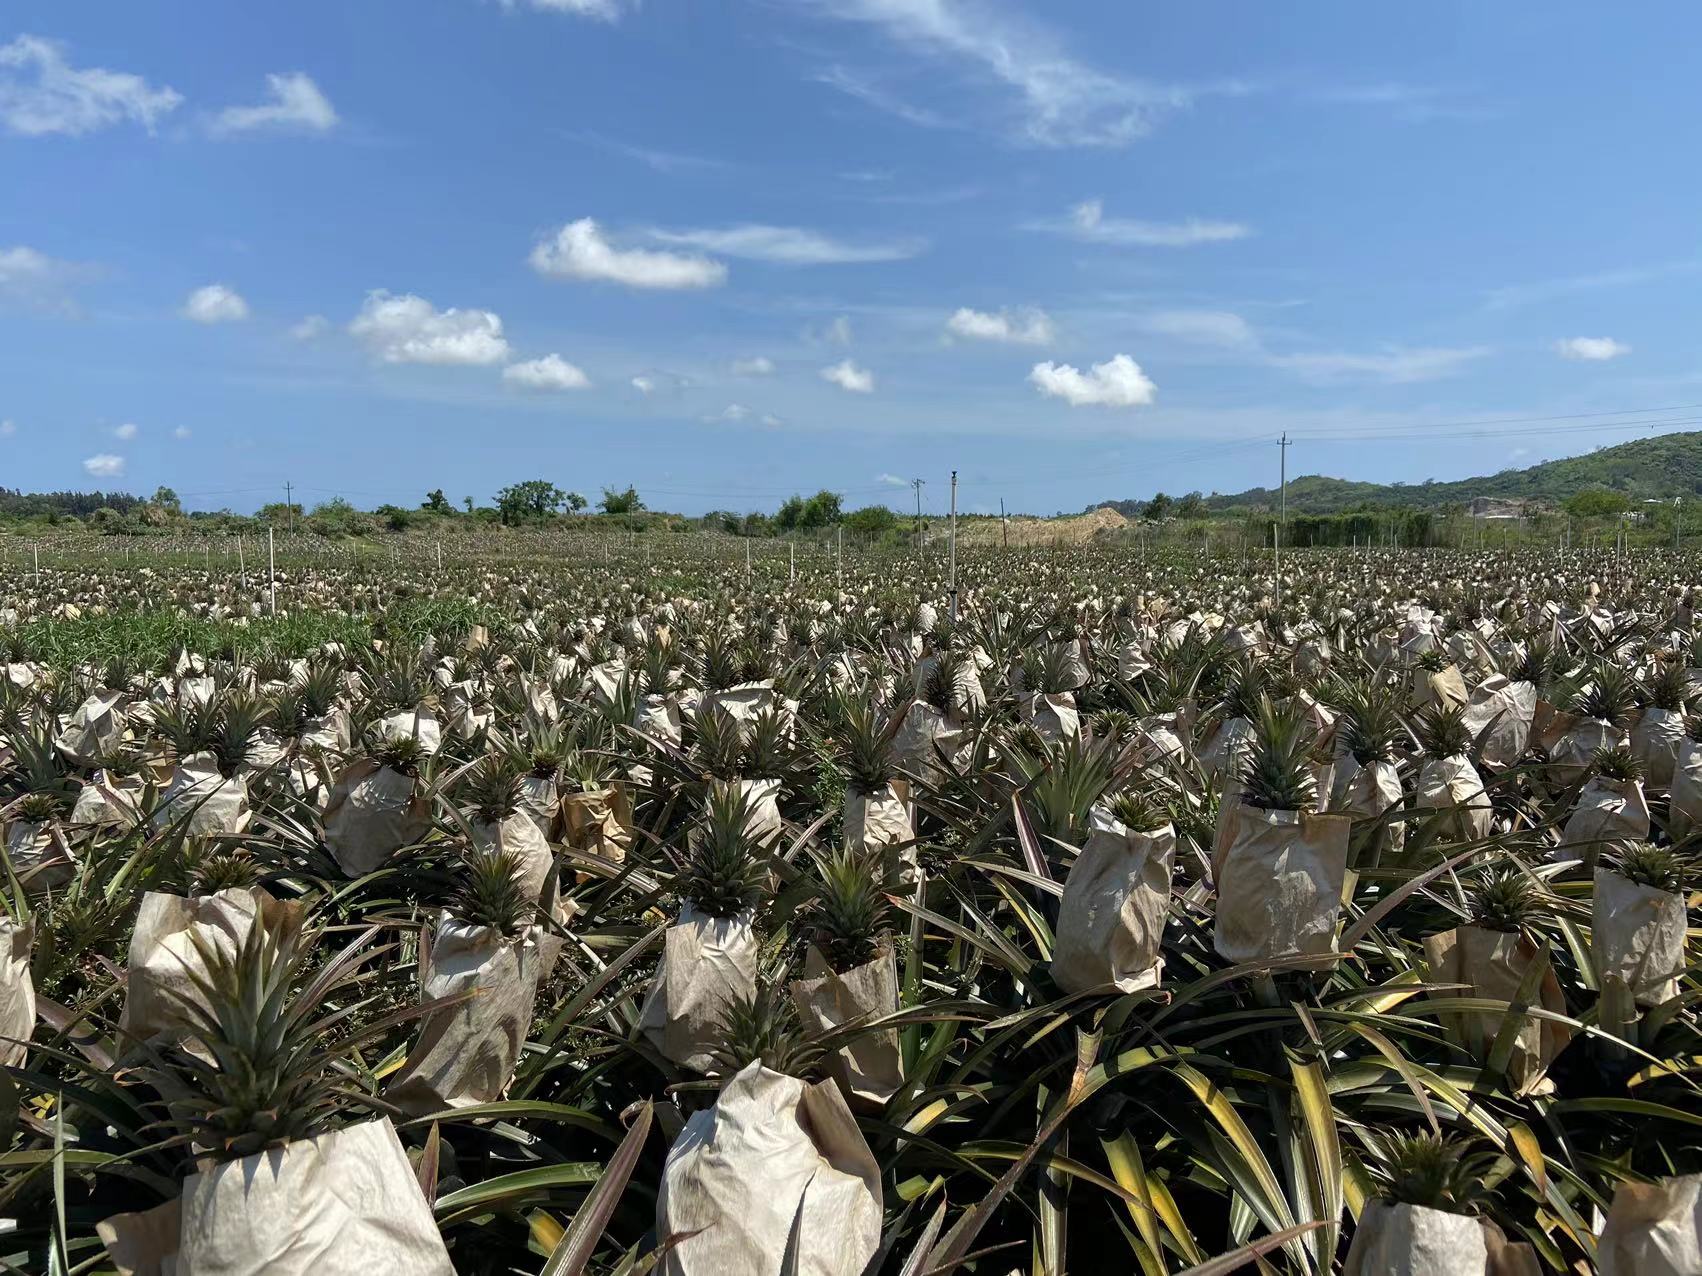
1663 467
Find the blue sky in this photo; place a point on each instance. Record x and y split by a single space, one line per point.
729 249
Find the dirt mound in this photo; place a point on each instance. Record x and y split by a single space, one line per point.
1074 530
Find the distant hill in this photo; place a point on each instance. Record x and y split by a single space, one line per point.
1663 467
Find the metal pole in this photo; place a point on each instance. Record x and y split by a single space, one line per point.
439 555
1004 522
916 484
35 549
289 504
791 560
272 571
953 576
241 562
841 554
747 558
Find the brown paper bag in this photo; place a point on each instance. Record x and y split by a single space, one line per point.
1512 707
465 1054
95 729
1412 1240
1655 741
517 833
1492 964
1453 786
1570 754
372 813
1111 918
598 823
775 1165
706 963
870 1067
342 1204
1366 793
1686 796
213 804
1654 1229
1053 716
1279 883
1637 936
1608 811
881 818
17 992
163 958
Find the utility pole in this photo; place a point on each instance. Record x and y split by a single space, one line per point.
271 571
953 576
289 504
1283 527
1677 502
841 556
917 485
1004 522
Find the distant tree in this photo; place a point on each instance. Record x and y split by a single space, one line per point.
396 518
627 502
1158 507
824 509
437 503
575 502
468 502
1597 502
870 521
167 500
530 502
106 520
755 525
1193 505
790 516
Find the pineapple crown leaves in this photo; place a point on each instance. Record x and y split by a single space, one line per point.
720 744
272 1079
1610 697
1618 763
867 752
236 718
1277 774
401 753
1442 731
1428 1170
1659 868
210 867
769 752
1246 683
1370 724
492 787
764 1026
851 914
1139 812
721 872
940 685
1668 686
491 892
1536 666
1506 901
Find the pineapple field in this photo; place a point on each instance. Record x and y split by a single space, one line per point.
618 909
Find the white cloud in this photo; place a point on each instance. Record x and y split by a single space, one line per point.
789 245
41 94
1591 348
771 421
127 431
295 105
1220 328
8 429
757 367
1395 365
1088 223
104 465
848 376
892 480
1064 102
37 280
644 385
311 328
603 10
579 250
732 412
181 432
409 329
839 332
215 303
1026 327
552 372
1116 383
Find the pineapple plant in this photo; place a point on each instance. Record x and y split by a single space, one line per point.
1442 732
763 1027
1278 775
490 892
721 874
1658 868
1507 901
719 747
851 915
1432 1171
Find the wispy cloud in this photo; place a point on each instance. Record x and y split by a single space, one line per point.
1060 100
295 105
653 157
42 93
33 279
1507 298
552 372
1408 102
1087 223
1024 327
1591 349
1220 328
1393 365
580 250
789 245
